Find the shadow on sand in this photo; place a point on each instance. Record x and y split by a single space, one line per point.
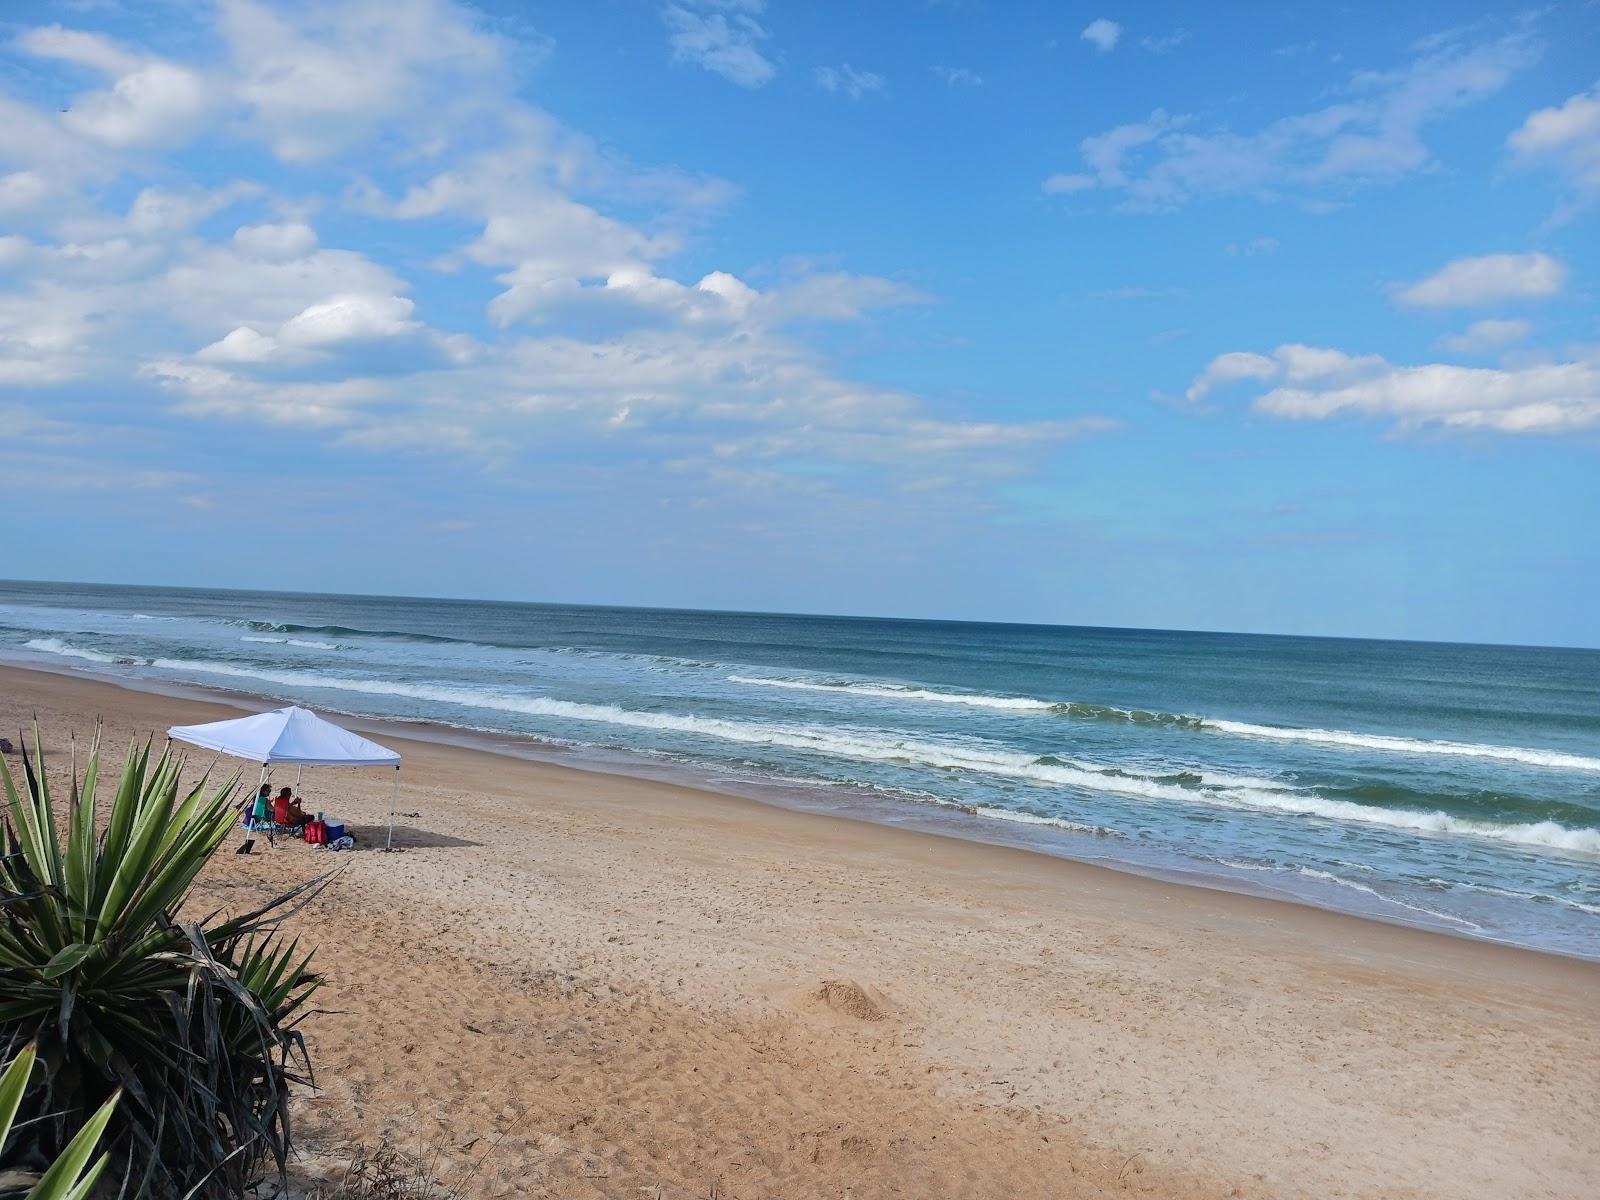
406 837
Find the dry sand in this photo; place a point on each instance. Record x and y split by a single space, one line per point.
614 987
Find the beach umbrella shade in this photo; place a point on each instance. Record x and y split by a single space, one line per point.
293 735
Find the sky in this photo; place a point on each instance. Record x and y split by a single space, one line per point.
1264 317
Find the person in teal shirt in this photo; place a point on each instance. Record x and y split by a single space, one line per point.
261 810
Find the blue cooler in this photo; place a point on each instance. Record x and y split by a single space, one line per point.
335 829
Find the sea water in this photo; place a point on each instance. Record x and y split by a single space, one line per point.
1451 786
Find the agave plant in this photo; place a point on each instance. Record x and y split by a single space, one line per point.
193 1021
72 1176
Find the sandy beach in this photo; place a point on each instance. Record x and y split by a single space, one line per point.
583 985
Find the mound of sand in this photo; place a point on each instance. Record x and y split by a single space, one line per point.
850 999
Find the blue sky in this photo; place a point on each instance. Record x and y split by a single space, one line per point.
1265 318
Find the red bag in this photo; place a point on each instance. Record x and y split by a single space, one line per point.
317 833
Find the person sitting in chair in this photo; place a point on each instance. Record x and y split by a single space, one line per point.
286 810
259 807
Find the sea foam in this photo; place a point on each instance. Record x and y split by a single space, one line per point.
52 645
889 691
1405 745
1338 738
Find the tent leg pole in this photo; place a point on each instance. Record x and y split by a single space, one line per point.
394 803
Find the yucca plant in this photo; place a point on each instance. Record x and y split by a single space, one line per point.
192 1020
71 1176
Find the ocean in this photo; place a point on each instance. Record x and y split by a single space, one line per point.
1453 787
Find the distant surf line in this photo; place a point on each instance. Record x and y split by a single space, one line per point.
1343 739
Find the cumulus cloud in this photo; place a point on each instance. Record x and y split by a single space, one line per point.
1230 368
340 320
1102 34
1488 279
1372 133
722 36
1565 137
846 80
243 345
262 277
151 101
316 79
1314 383
1485 336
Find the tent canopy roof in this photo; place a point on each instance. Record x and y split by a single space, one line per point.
287 735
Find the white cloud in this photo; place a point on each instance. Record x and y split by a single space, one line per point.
1165 42
276 242
158 211
208 391
1102 34
89 50
1574 123
328 324
1230 368
319 78
1373 133
1567 137
151 101
218 288
49 334
243 345
721 36
1064 184
957 77
15 250
548 244
155 220
835 296
1487 335
23 190
1312 383
354 317
1489 279
848 81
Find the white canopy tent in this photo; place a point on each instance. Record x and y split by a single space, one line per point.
294 736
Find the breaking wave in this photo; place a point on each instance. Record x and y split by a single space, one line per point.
307 643
346 631
52 645
1340 738
1404 745
889 691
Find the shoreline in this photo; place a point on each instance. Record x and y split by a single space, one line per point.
932 817
642 985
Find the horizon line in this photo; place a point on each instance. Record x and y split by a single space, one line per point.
758 612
